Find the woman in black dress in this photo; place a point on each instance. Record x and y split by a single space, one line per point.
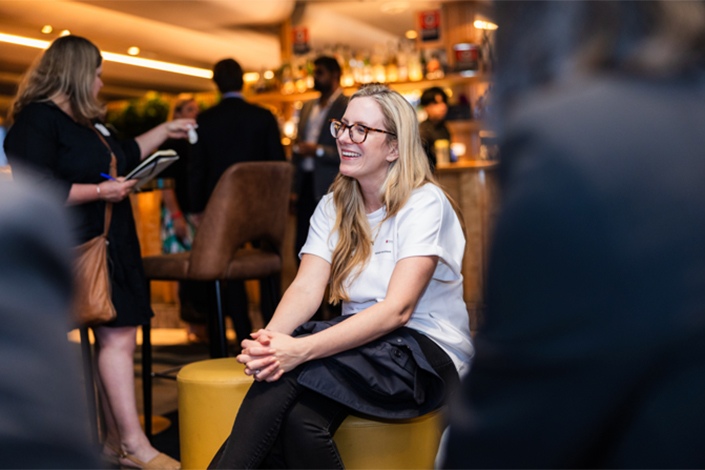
53 141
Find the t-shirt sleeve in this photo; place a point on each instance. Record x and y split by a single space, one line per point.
428 226
319 241
32 146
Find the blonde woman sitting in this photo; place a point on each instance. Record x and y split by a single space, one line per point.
390 243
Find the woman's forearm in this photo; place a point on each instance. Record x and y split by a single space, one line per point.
297 306
368 325
303 296
82 193
176 129
408 282
170 201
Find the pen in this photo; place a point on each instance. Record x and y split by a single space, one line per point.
107 176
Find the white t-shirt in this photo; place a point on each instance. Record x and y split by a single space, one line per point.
425 226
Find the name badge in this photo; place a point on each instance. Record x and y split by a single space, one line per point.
102 129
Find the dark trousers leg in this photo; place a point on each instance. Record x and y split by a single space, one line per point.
283 425
193 296
238 309
305 207
258 422
307 432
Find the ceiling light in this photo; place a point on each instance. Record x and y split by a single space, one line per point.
133 50
394 8
411 34
65 32
9 38
250 77
119 58
47 29
479 24
268 75
157 65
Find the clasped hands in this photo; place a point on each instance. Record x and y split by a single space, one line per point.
269 354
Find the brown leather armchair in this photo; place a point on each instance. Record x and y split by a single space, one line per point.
248 205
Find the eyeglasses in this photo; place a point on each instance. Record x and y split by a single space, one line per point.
357 132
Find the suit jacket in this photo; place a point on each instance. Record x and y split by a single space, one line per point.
592 353
43 411
233 131
327 166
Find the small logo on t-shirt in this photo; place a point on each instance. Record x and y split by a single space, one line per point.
388 241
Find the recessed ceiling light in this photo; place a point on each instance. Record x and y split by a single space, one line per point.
411 34
47 29
119 58
394 8
65 32
134 50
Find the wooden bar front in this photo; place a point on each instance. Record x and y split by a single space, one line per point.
473 185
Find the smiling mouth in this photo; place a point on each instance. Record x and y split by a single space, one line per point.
349 154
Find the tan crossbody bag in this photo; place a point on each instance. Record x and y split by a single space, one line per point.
93 303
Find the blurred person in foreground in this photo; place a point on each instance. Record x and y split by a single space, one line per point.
55 133
391 245
435 102
232 131
592 352
43 414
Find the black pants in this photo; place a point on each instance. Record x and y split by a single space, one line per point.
197 296
285 425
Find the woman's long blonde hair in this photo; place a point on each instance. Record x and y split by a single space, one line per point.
67 68
408 172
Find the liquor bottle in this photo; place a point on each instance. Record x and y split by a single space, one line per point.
392 68
402 64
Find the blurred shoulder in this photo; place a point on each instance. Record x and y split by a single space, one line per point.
38 111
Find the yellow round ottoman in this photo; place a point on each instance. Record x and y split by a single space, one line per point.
210 393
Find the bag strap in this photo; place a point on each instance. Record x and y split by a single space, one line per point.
113 173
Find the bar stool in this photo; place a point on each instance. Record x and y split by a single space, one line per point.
210 394
249 204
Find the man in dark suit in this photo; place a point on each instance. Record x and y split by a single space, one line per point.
315 153
233 131
592 351
43 412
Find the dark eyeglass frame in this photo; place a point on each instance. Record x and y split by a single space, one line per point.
344 126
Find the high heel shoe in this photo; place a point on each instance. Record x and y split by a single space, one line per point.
160 462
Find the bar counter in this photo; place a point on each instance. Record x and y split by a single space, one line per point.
474 187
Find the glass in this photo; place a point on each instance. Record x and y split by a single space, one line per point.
357 132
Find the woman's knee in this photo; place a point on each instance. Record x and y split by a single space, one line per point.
124 338
311 421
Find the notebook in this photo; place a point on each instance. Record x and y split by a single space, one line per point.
152 166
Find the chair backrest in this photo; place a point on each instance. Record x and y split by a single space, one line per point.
249 203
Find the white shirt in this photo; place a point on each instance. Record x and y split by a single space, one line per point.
426 226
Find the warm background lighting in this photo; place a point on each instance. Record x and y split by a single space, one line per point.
250 77
479 24
47 29
411 34
157 65
65 32
268 75
120 58
133 50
